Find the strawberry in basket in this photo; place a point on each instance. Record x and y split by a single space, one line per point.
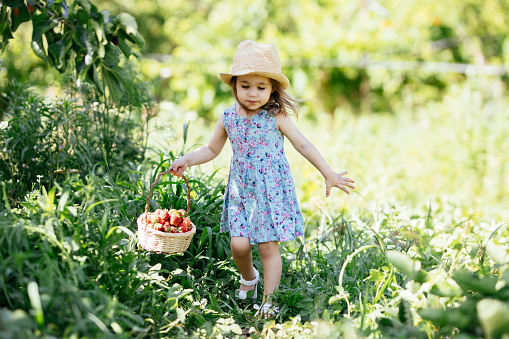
166 231
173 221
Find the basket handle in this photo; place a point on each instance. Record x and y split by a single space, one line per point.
155 182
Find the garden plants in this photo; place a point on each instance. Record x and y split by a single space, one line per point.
421 251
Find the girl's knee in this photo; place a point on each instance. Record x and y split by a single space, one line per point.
268 248
240 246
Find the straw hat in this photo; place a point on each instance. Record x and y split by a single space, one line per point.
255 58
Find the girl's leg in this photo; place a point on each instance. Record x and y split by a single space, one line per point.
241 253
272 267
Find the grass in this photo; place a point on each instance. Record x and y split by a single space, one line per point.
445 152
384 261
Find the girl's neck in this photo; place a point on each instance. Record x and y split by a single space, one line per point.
246 113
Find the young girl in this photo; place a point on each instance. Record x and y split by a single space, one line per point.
260 204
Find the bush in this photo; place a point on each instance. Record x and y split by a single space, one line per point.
79 132
71 264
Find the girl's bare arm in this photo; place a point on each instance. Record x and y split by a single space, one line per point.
309 151
204 153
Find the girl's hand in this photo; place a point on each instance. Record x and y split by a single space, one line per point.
178 167
337 180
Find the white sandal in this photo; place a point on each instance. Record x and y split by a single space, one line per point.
268 310
242 295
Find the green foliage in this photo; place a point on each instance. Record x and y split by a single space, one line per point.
79 38
477 302
75 245
410 262
358 56
75 133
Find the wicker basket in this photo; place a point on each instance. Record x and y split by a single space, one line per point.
164 242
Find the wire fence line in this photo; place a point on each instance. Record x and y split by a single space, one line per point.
370 64
423 66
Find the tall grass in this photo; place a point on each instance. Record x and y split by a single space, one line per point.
384 261
430 183
450 151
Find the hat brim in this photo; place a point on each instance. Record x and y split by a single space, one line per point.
281 78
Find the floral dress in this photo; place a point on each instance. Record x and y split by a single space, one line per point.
260 201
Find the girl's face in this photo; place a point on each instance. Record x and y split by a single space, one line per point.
253 91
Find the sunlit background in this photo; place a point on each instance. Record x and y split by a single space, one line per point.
409 97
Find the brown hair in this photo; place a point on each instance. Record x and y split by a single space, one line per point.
280 102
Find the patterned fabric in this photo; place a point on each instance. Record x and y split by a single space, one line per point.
260 201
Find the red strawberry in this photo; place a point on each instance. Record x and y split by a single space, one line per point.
183 227
181 212
174 219
164 215
167 223
30 8
173 229
166 228
187 222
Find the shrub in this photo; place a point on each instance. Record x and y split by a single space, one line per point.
43 140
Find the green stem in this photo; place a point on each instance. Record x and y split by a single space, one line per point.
348 259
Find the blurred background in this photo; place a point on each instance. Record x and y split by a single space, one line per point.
409 97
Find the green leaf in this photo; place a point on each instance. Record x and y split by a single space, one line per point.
38 49
13 3
127 231
137 39
57 52
63 201
494 317
106 16
121 81
85 4
5 30
111 58
40 26
93 77
48 199
472 282
113 84
17 319
236 329
35 301
23 16
338 297
99 30
186 129
81 38
497 252
404 313
181 314
128 22
375 275
445 289
404 263
436 315
82 17
122 44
